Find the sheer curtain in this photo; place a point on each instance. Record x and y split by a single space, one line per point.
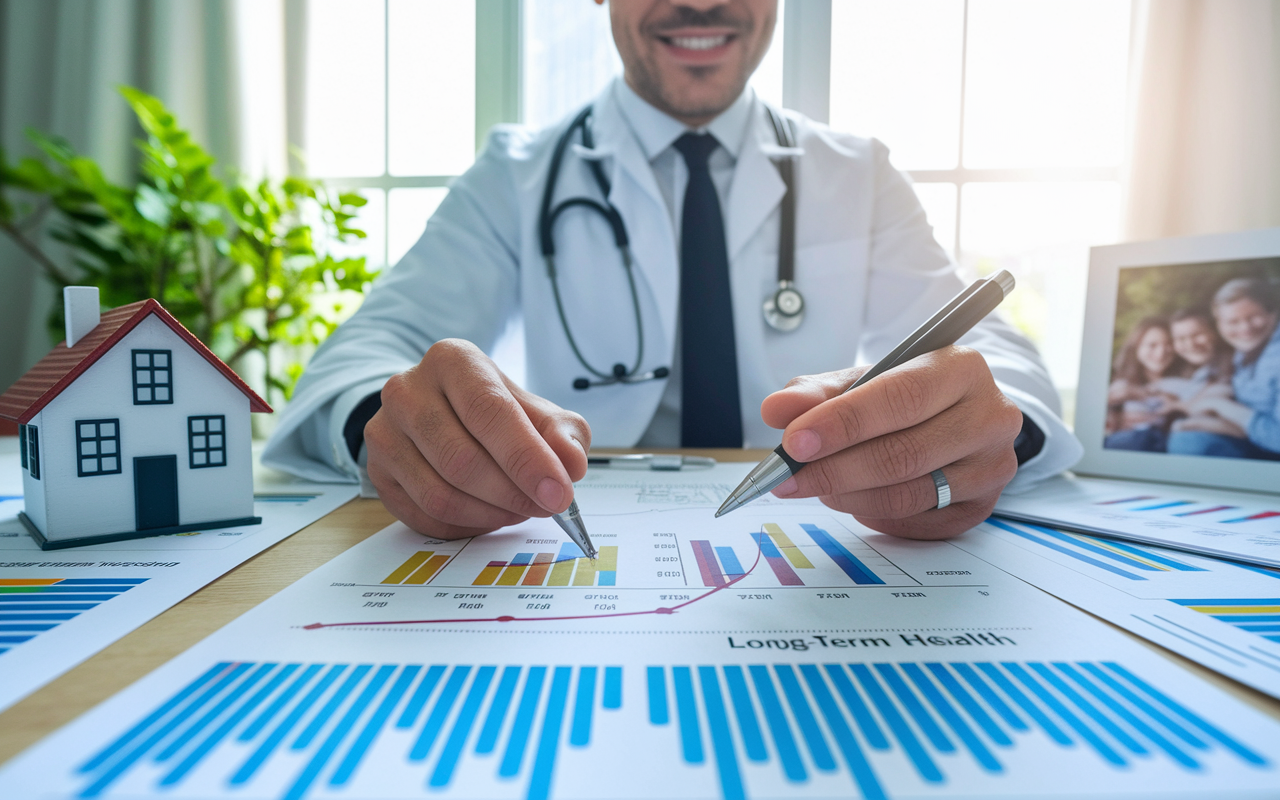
1205 118
218 64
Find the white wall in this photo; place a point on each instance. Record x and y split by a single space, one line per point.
103 504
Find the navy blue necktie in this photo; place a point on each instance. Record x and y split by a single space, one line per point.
710 415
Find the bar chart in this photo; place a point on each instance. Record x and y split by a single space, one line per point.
569 567
1259 616
306 729
1118 558
720 564
418 568
32 606
1174 507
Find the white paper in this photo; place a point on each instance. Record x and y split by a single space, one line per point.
1215 522
388 673
1221 614
58 607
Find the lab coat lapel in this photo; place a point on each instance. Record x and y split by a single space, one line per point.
757 188
634 192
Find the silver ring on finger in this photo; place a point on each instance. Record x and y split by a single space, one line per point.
944 488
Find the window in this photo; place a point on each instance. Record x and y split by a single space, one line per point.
1009 116
206 441
97 447
22 444
33 451
152 377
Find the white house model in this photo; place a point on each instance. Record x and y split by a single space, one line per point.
131 428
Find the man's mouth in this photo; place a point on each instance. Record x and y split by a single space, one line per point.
697 42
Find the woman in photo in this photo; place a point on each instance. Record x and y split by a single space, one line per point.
1247 313
1145 389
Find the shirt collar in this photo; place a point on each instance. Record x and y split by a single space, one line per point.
656 131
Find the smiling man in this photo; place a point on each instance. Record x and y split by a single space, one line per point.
675 254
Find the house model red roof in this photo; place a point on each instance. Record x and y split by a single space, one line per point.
63 364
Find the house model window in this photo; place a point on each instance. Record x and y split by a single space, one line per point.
98 446
33 451
22 444
152 377
207 442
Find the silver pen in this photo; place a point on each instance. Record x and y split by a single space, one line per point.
571 521
943 328
657 462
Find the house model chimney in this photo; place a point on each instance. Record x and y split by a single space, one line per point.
80 304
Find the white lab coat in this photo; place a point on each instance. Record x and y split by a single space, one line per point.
866 262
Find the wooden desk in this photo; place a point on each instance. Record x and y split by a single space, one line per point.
215 605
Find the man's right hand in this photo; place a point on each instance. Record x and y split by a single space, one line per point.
457 449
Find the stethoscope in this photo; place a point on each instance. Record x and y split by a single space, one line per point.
783 310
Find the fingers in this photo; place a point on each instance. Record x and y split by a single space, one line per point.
981 427
456 447
900 398
566 433
430 504
910 508
805 392
407 510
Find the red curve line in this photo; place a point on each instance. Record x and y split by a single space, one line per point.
664 610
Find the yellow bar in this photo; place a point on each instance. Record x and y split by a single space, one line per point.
406 569
427 571
1236 609
560 572
538 571
608 559
787 547
28 581
511 575
586 574
488 575
1119 552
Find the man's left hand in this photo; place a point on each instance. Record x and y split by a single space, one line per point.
870 452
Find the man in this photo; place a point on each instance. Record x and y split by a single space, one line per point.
1247 311
456 448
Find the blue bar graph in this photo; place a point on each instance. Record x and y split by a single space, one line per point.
32 606
1118 558
858 572
839 719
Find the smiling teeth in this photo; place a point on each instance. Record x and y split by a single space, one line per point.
699 42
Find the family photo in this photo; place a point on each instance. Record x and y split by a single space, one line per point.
1196 360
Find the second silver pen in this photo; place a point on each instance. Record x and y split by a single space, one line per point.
944 328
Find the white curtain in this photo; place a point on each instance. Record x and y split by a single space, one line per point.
1205 118
218 64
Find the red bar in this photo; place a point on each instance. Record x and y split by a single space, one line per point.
707 564
1204 511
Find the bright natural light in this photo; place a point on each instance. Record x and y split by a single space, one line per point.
432 112
345 95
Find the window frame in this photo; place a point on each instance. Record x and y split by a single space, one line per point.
22 444
97 439
192 450
151 368
33 458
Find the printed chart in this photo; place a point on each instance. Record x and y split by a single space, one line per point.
1235 525
59 607
31 606
1225 615
963 681
326 724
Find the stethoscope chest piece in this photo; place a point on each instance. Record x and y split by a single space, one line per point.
784 309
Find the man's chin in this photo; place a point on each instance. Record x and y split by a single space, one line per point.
701 104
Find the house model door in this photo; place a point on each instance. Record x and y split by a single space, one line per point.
155 490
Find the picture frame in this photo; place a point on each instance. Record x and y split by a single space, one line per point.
1133 286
